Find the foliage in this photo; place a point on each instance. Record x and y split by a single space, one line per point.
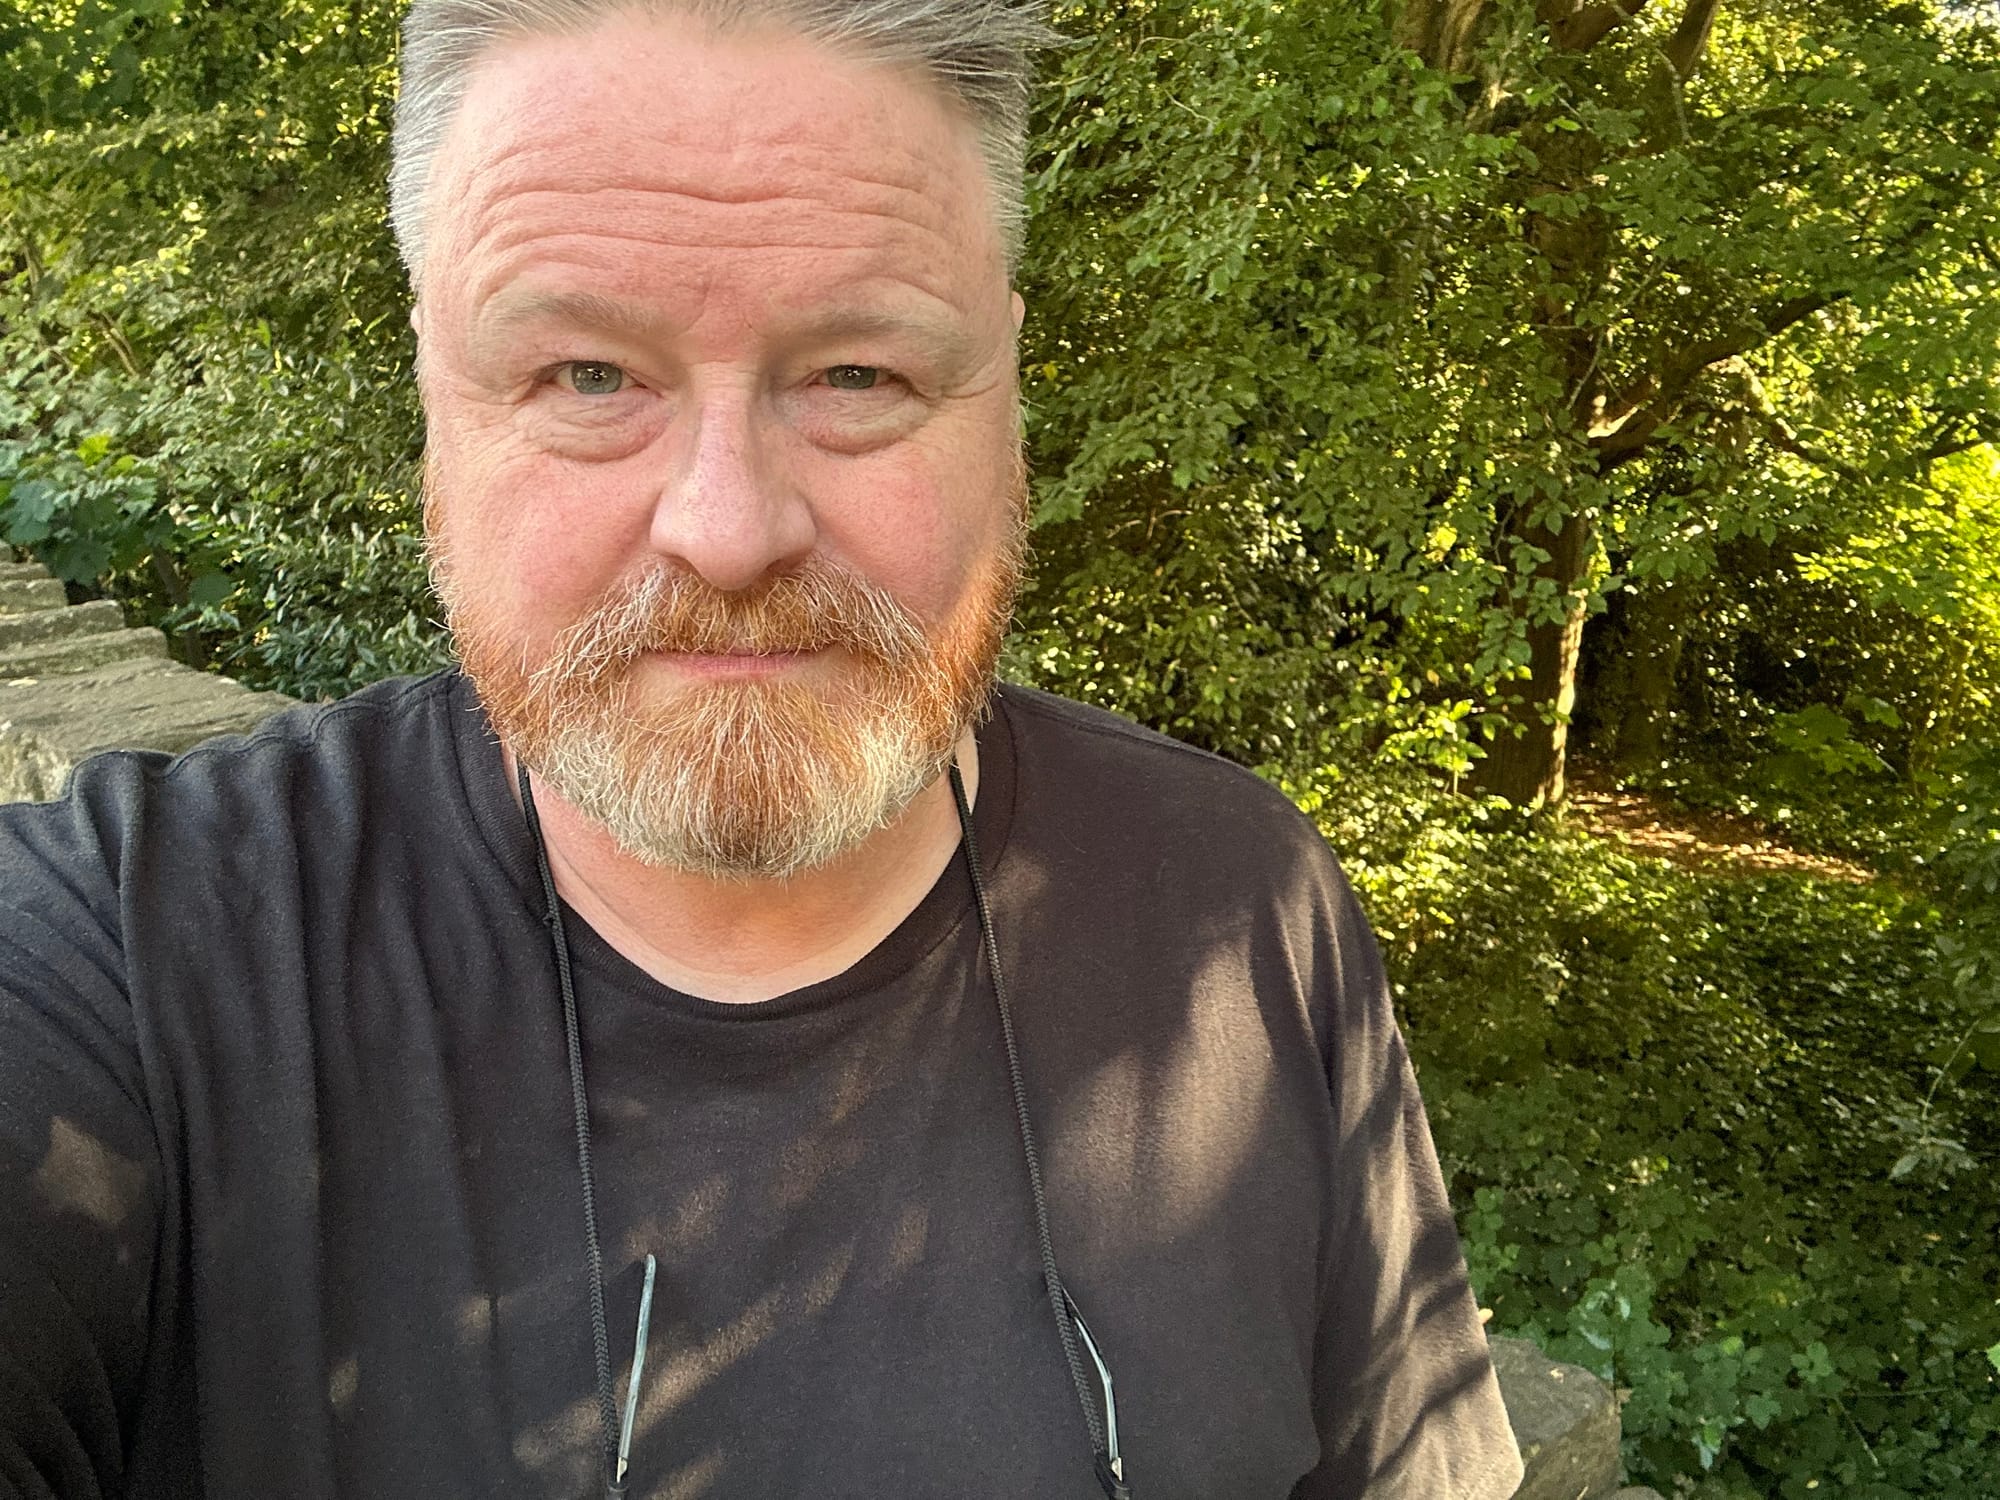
1675 1109
1967 955
1230 410
207 405
1831 691
1377 380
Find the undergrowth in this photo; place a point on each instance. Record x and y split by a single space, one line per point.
1691 1126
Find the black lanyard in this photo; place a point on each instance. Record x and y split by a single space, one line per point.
1077 1343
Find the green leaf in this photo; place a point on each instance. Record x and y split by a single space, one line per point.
210 589
1985 1049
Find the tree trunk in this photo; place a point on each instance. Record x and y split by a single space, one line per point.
1441 32
1525 763
1526 760
1655 629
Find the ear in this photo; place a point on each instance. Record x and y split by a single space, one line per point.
1020 310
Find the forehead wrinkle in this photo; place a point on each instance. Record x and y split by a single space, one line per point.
505 148
794 210
494 224
508 139
499 250
778 222
710 180
731 119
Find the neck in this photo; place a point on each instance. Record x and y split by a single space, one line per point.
747 940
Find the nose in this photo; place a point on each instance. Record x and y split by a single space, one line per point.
728 512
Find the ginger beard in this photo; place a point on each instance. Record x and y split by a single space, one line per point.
751 778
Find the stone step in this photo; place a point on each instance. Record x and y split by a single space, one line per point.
19 595
79 653
98 617
48 725
14 570
1565 1421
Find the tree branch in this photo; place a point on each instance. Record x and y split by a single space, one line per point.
1952 438
1439 31
1612 412
120 345
1779 434
1776 317
1631 437
1761 326
1578 25
1690 39
1625 424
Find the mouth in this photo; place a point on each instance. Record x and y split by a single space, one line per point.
737 665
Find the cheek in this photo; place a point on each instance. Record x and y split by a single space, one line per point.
919 523
538 537
537 462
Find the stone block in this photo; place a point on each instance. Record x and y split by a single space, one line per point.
18 595
1566 1422
48 724
98 617
79 653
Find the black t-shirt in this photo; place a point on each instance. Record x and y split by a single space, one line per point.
289 1202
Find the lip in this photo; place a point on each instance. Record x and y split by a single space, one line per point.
737 666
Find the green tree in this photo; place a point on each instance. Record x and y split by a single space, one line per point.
1763 274
1373 372
207 405
1365 357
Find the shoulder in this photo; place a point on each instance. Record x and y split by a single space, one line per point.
1119 808
225 796
323 742
1102 766
316 742
1163 850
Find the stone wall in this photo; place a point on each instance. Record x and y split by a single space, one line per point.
74 679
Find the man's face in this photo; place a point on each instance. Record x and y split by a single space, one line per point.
717 356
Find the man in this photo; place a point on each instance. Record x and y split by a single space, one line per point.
714 1046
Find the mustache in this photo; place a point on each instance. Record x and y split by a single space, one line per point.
817 606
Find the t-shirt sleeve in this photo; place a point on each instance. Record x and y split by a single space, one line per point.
1404 1392
80 1177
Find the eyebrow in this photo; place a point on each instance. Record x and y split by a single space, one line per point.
947 342
591 309
939 339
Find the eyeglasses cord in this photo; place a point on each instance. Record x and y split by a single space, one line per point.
1070 1330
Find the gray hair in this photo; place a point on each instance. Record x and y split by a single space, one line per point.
979 52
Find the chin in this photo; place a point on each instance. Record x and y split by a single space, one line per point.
745 780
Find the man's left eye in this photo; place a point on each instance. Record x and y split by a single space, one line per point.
853 377
589 377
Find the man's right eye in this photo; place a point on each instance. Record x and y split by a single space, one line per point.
593 378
